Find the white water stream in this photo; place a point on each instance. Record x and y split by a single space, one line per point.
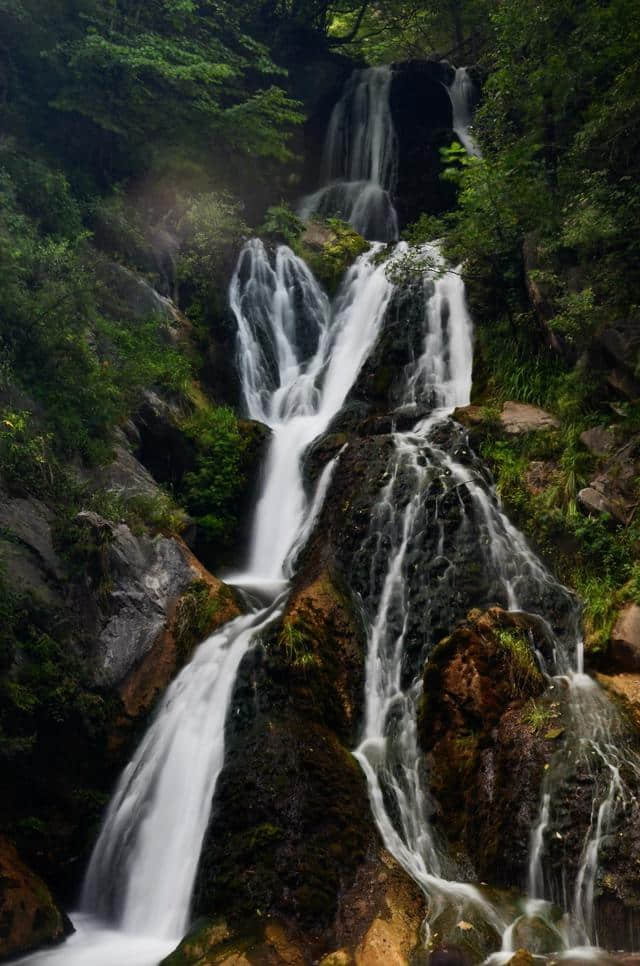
298 357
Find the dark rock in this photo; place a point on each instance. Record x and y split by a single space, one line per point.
126 295
485 761
423 119
29 917
290 821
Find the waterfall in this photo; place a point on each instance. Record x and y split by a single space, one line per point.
299 354
359 163
462 93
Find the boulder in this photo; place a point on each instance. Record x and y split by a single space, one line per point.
29 916
517 418
599 440
625 639
378 921
598 499
316 235
130 586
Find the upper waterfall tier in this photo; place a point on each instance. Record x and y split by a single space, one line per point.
360 158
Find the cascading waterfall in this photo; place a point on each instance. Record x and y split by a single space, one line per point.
360 159
298 357
413 515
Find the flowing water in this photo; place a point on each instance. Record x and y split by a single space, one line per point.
359 163
436 521
462 92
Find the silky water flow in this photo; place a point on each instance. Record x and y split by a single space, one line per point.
298 356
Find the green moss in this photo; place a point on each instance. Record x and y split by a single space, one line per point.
520 663
337 255
194 616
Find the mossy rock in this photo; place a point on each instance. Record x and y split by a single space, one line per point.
334 251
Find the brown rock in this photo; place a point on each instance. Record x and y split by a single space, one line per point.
486 761
469 415
317 235
626 689
522 958
625 639
539 475
28 915
517 418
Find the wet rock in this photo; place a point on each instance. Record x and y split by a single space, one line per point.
458 928
449 956
522 957
29 917
380 917
470 415
378 921
290 819
536 936
206 605
485 754
517 418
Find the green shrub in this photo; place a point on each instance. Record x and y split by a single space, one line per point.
212 488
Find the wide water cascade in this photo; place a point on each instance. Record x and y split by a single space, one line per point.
298 357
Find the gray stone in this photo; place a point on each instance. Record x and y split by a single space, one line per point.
594 501
126 475
517 418
28 521
599 440
144 577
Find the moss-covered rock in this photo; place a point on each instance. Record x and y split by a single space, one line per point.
330 247
486 752
29 916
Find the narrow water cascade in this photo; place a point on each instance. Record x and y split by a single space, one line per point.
462 92
359 164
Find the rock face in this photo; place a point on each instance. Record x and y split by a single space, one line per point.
485 750
423 119
142 577
304 797
613 490
29 917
